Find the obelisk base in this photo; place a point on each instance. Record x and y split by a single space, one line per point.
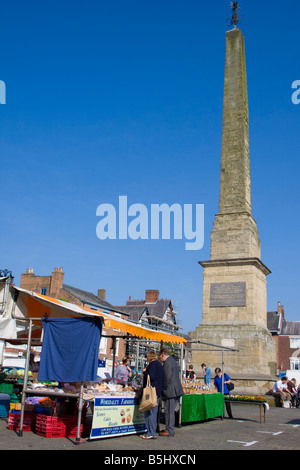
234 315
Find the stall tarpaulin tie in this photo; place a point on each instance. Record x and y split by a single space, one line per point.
70 349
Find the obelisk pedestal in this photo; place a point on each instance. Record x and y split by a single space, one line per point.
234 312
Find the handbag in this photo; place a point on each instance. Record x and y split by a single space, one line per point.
230 386
149 397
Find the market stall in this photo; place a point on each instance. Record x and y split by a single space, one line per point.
198 402
115 410
200 407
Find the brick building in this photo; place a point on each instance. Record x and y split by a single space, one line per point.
152 311
53 286
286 335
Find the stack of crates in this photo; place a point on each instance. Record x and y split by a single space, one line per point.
56 426
28 423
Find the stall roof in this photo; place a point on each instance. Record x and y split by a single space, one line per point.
33 305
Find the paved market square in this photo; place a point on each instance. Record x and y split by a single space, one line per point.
281 431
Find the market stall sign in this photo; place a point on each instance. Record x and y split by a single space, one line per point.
115 416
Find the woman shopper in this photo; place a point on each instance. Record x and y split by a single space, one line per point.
156 373
218 384
190 373
123 371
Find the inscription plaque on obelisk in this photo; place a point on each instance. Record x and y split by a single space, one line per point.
228 294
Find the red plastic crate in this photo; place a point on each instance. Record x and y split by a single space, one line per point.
57 431
72 431
57 426
28 422
16 427
51 420
51 432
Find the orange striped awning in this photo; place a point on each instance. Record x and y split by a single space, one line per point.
33 305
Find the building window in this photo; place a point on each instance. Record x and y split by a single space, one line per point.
294 342
295 363
117 346
103 345
44 290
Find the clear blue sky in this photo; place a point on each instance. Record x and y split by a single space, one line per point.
109 98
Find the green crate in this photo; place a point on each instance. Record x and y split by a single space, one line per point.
6 388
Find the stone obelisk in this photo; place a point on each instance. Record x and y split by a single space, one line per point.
234 311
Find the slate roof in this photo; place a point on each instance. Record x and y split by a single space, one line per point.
290 328
273 321
156 309
91 299
134 311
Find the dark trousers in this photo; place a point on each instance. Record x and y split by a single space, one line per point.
169 406
228 408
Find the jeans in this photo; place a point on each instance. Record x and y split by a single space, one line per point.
151 420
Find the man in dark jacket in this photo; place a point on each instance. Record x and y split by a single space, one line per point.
172 390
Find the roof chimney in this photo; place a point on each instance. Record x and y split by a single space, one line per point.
280 309
57 280
101 294
152 296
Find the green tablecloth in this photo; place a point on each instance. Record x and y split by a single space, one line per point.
201 407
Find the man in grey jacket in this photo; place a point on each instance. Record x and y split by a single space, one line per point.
172 390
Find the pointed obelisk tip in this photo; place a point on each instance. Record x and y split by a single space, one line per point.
235 18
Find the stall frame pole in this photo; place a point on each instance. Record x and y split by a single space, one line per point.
80 406
25 377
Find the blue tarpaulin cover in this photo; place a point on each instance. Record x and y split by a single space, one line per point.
70 349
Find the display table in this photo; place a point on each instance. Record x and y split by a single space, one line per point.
263 406
199 407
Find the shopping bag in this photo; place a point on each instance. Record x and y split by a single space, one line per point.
149 397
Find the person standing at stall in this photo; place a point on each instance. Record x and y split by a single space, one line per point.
156 373
190 373
207 375
123 371
172 390
218 382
